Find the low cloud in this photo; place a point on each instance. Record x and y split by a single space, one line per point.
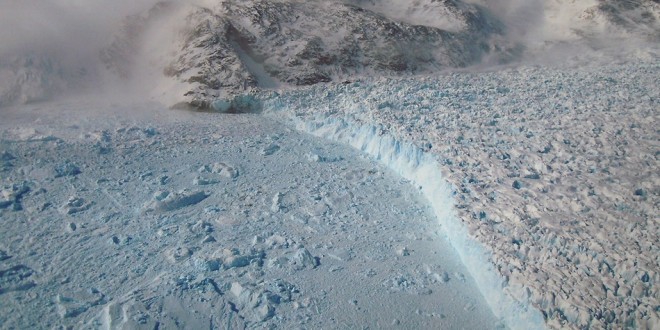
71 30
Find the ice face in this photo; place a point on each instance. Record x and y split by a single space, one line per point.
424 172
537 169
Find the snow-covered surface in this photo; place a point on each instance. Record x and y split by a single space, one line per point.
424 173
554 173
135 216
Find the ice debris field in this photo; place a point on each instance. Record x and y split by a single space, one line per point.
523 198
553 177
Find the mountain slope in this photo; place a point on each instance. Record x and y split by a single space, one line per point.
193 52
238 46
230 47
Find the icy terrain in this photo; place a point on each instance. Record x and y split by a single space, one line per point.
206 217
553 171
521 139
141 217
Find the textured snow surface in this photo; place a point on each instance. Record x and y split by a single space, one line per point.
140 217
554 174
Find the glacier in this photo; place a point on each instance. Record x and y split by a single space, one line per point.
423 171
530 127
539 161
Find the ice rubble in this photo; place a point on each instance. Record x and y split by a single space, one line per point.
554 175
424 171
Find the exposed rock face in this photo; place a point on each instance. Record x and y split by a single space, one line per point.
29 79
237 46
193 52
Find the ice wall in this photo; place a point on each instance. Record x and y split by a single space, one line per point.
424 171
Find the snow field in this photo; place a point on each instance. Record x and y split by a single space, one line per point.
142 217
554 172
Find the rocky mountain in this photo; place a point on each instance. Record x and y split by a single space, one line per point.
31 78
193 52
632 16
228 47
236 46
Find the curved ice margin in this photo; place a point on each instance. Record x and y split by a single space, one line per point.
423 170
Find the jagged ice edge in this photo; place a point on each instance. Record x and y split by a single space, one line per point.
423 170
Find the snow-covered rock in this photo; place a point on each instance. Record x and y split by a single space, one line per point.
192 53
236 46
222 48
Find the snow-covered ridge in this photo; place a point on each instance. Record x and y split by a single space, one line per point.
555 173
425 173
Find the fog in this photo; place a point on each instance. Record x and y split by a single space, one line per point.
523 18
71 30
52 47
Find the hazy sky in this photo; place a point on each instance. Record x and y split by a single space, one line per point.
72 29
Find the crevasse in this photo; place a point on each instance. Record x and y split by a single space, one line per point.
423 170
